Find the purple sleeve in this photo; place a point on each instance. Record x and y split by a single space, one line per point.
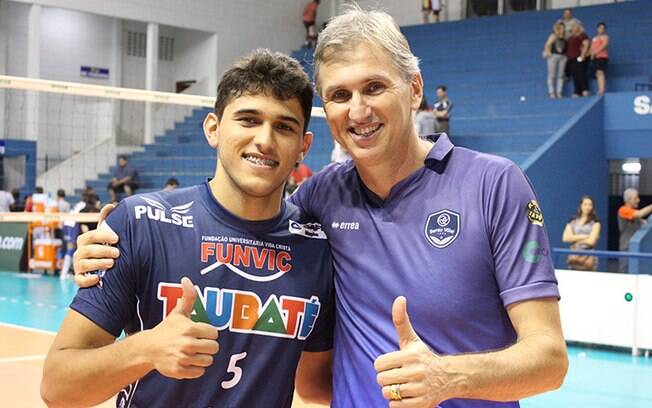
520 245
112 303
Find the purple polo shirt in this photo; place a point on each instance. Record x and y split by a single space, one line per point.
461 238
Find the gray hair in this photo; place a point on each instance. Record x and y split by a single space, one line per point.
629 193
356 25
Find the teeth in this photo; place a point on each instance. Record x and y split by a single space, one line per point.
261 162
366 131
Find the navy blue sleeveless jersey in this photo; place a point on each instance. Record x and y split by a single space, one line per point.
265 285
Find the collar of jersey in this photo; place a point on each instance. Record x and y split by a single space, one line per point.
225 216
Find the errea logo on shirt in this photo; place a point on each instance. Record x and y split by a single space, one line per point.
157 212
346 226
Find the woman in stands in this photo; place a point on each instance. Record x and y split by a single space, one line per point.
583 232
554 51
600 55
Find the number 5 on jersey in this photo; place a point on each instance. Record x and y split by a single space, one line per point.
233 368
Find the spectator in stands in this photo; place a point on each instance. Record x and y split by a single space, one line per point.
63 206
28 200
442 109
125 179
630 219
18 205
171 184
600 56
583 232
425 120
309 21
339 153
89 203
577 54
569 22
300 174
6 201
554 51
430 7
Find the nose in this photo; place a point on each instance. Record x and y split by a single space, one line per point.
264 138
359 110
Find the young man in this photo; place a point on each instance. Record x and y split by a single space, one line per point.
444 226
262 271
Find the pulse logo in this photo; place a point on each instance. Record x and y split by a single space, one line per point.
157 212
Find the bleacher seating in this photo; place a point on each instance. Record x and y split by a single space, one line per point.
495 76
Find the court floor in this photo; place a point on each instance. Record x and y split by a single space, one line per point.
32 308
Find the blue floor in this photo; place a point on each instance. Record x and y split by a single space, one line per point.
596 379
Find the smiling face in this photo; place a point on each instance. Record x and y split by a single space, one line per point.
260 138
369 104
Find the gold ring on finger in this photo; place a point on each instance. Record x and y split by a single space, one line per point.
395 392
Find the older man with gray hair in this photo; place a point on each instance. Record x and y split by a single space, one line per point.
630 219
456 232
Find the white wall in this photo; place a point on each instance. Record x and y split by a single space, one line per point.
195 59
70 39
14 20
241 25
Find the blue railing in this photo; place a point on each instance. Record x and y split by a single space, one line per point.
558 252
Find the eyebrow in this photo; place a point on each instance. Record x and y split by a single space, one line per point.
365 81
259 113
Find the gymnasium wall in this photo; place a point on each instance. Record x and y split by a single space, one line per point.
628 125
241 25
569 165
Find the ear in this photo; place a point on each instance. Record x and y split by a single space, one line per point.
416 87
307 142
211 126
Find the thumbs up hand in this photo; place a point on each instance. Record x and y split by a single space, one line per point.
178 347
413 376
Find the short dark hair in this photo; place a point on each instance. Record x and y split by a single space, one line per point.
61 193
266 72
122 157
38 190
172 182
601 23
442 87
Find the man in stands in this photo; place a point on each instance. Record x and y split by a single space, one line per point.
442 110
6 201
569 22
125 179
171 184
630 219
63 206
310 22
